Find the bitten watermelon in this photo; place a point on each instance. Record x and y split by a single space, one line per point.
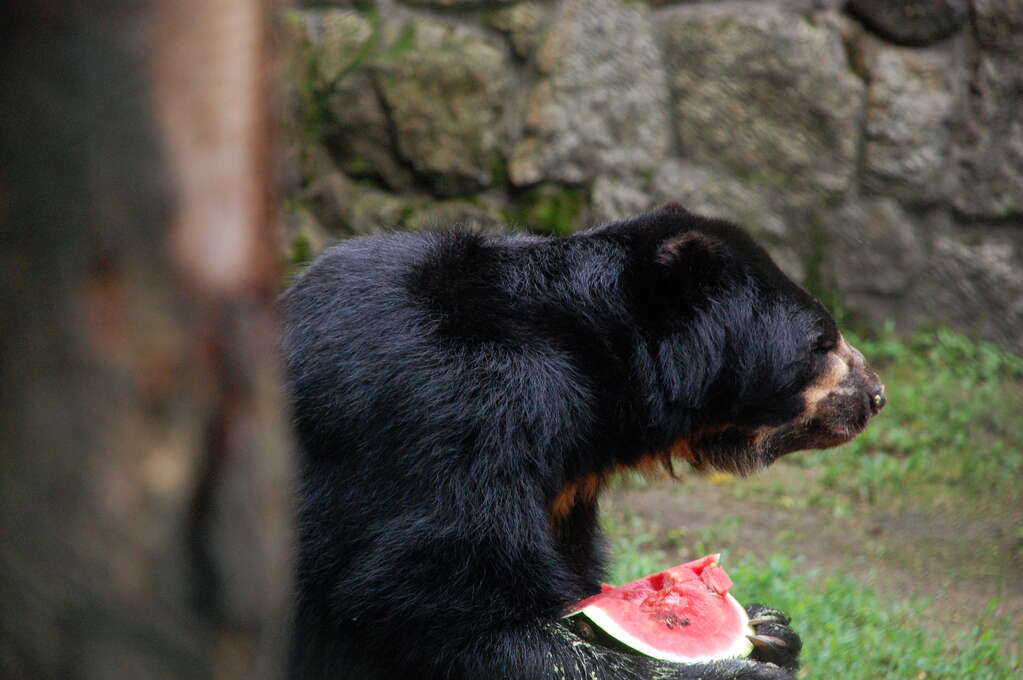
683 614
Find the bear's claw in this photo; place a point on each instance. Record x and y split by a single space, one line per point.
766 641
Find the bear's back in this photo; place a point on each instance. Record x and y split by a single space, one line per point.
401 331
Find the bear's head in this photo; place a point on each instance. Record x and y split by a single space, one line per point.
746 365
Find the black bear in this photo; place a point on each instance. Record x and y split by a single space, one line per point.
461 398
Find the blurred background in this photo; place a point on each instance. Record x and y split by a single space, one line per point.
875 148
166 166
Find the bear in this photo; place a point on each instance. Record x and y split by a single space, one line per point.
460 399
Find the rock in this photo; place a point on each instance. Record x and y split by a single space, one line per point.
766 95
789 5
602 103
411 103
330 196
550 208
290 174
322 190
523 24
712 193
455 3
888 265
361 4
988 142
974 281
911 22
872 250
849 30
615 198
302 236
338 206
716 194
337 102
910 102
373 211
480 214
342 207
998 24
698 189
444 97
331 38
703 191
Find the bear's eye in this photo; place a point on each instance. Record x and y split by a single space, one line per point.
823 343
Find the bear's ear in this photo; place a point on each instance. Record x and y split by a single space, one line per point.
694 261
673 207
690 248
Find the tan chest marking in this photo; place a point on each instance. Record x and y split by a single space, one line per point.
578 491
587 488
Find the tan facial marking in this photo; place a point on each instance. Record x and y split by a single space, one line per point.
841 361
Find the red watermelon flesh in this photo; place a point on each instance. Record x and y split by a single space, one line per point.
683 614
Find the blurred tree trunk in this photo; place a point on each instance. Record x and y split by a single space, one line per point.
145 480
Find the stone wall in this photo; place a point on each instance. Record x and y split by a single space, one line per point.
876 148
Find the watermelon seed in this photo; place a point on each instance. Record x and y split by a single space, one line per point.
671 621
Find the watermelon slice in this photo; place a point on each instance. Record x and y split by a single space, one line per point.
683 614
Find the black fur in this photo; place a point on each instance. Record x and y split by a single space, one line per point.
447 387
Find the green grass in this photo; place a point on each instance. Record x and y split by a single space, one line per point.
849 630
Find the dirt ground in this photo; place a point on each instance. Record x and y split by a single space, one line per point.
960 563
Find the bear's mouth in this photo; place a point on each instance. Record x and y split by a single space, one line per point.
834 419
840 404
841 419
832 436
825 430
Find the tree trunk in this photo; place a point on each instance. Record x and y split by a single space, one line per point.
145 488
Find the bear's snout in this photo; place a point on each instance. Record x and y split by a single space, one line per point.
847 394
878 399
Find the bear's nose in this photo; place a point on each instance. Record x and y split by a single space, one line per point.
878 400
